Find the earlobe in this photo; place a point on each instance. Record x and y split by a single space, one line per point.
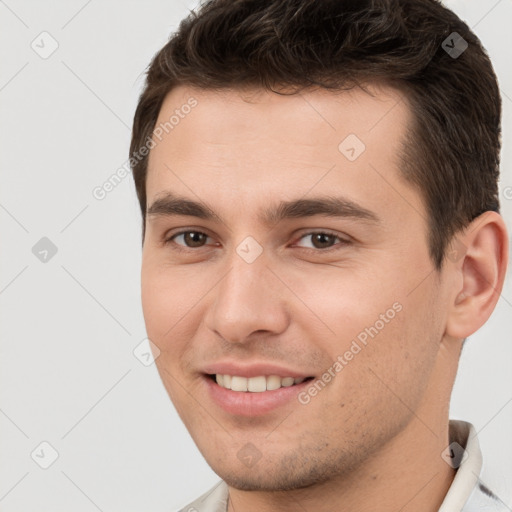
481 271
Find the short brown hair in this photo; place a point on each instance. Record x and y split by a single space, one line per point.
452 153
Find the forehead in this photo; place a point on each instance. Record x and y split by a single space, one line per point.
264 145
234 111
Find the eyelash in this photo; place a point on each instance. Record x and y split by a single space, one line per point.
181 248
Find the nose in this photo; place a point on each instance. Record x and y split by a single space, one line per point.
249 301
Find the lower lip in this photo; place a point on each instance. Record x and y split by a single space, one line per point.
252 404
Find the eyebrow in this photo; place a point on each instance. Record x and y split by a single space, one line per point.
339 207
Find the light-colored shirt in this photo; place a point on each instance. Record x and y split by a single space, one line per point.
467 492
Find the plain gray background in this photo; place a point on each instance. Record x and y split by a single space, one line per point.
70 324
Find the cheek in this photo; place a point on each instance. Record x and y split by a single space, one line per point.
164 298
171 314
155 307
378 389
347 305
162 308
162 305
387 341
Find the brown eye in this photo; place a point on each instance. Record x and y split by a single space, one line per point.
191 239
323 240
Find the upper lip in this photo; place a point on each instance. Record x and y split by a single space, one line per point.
252 370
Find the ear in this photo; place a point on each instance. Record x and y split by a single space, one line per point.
479 255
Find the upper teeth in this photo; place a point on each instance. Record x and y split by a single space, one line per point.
255 384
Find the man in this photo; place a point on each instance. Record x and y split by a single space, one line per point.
318 185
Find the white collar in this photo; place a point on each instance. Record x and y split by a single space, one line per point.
465 450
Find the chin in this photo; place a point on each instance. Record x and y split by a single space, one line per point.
271 479
264 484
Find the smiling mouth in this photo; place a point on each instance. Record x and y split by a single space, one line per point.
255 384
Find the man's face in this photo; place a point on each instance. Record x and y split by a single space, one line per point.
293 295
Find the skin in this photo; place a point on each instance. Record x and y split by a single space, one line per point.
373 438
